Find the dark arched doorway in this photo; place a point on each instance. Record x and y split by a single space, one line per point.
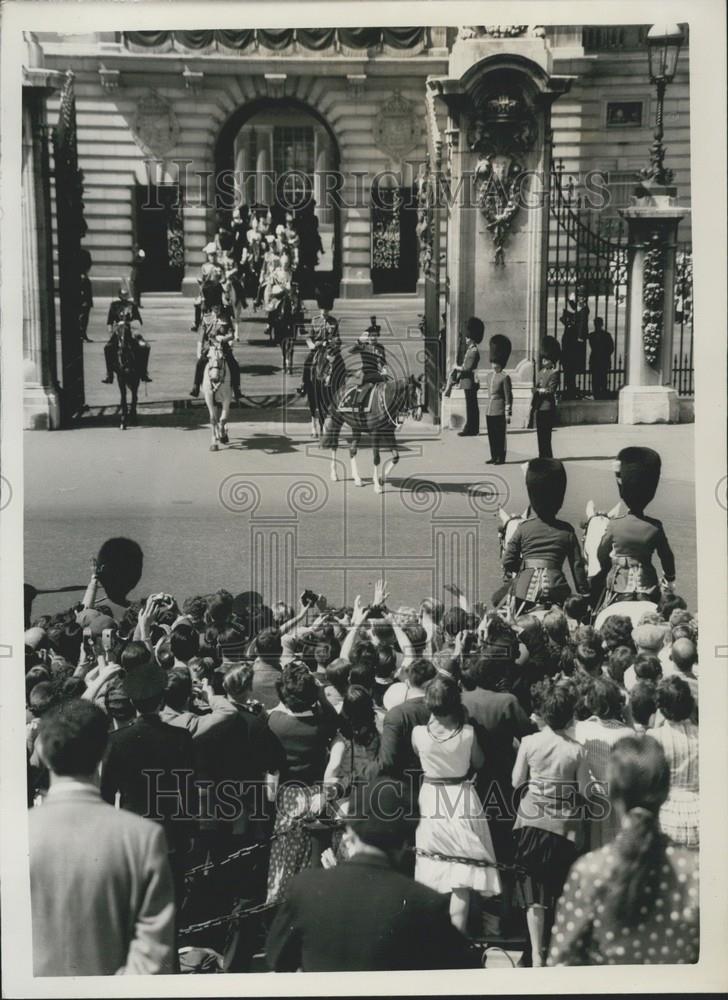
282 153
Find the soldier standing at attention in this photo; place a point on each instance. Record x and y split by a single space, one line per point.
500 401
467 380
86 300
543 403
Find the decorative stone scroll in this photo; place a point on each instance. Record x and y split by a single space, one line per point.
397 128
155 125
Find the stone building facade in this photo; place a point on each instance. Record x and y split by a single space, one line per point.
346 100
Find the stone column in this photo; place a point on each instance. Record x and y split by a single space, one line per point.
265 190
41 403
499 92
649 397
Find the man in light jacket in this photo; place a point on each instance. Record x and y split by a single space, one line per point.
101 889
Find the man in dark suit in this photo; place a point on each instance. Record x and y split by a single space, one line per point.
498 720
149 764
396 755
365 915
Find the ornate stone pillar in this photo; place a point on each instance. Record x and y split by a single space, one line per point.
499 93
41 403
649 397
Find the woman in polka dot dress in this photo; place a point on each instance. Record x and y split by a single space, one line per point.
635 901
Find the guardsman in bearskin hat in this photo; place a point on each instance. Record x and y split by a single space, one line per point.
123 311
464 375
323 333
500 400
625 551
542 543
543 403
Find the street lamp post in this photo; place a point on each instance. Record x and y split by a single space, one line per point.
663 48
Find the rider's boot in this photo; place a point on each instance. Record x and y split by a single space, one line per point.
109 378
195 391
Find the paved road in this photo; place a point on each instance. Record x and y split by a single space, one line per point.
263 515
166 326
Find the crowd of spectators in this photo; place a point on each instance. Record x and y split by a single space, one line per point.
550 768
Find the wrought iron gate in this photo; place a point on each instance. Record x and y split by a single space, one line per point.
587 276
682 365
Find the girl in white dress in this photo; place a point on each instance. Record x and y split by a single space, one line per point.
451 815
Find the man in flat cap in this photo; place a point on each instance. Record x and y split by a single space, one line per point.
626 549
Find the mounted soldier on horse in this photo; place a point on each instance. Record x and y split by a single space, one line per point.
324 372
126 352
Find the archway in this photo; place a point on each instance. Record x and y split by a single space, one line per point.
278 153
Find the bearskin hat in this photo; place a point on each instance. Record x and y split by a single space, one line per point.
325 297
550 349
500 350
546 486
638 473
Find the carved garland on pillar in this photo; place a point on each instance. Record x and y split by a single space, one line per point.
425 221
653 298
504 133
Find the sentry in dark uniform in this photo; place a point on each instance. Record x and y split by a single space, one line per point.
542 543
543 403
625 551
122 311
500 399
467 379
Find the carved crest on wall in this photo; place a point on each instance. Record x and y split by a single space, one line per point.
397 127
503 133
155 124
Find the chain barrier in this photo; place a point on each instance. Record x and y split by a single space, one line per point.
239 913
243 852
473 862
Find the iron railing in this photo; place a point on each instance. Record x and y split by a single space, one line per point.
682 338
587 276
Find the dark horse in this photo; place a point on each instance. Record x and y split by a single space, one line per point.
325 383
380 416
128 372
284 321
